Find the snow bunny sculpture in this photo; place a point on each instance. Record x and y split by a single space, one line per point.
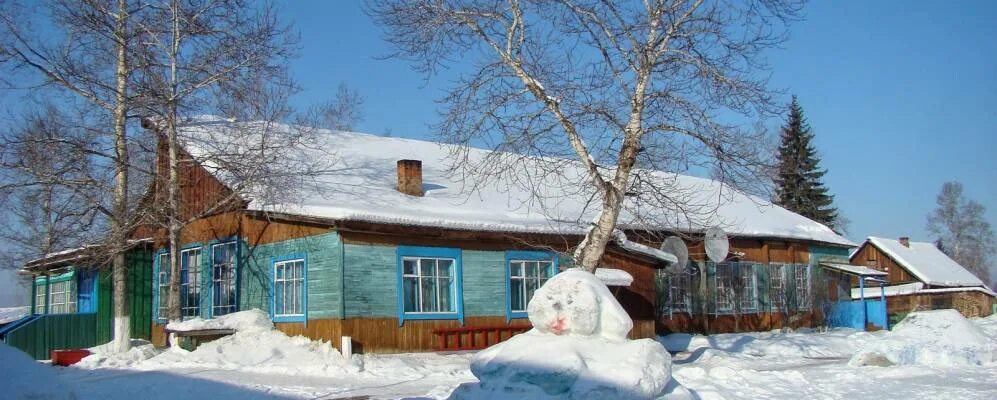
578 303
578 349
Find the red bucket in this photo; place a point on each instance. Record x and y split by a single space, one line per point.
66 358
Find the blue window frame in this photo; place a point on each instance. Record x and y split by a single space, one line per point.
190 283
223 277
289 286
526 271
429 284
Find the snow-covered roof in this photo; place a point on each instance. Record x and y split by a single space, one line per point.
363 188
872 292
614 277
926 262
853 269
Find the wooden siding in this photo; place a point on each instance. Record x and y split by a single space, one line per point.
383 335
710 324
324 259
484 283
370 280
870 256
638 298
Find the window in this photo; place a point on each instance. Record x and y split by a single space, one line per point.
190 283
777 287
62 299
39 299
748 288
289 288
802 277
678 292
164 284
725 288
428 285
525 277
61 294
223 269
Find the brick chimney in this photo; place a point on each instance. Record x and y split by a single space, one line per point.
904 240
410 177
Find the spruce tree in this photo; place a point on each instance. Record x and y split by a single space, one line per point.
798 186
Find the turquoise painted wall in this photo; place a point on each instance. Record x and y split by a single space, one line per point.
324 258
370 280
484 282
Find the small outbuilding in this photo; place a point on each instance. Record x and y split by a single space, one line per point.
919 276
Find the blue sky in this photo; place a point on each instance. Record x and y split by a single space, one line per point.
901 96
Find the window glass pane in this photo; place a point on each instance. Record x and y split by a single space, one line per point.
516 289
445 268
279 296
427 266
544 270
409 266
299 292
429 295
531 268
411 294
446 301
516 268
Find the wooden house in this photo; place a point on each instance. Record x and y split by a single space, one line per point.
921 277
400 255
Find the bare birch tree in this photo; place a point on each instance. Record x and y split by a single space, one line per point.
621 88
93 63
50 191
229 57
960 226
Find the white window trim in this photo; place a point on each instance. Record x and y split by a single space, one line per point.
749 294
289 282
184 294
540 281
418 276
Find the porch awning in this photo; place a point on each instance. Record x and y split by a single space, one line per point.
857 270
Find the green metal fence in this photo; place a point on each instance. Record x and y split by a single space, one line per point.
57 331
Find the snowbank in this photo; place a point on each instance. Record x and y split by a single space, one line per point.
24 378
268 352
104 356
577 350
939 338
255 347
987 325
836 343
243 321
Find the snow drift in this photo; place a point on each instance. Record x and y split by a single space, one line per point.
939 338
255 347
578 349
24 378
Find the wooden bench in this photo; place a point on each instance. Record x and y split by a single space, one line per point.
475 337
197 336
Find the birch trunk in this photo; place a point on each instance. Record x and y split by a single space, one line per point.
173 213
119 272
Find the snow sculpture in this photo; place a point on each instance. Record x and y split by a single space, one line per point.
578 349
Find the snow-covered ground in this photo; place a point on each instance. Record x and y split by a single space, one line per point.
768 365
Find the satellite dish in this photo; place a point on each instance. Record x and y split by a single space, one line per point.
677 247
716 243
